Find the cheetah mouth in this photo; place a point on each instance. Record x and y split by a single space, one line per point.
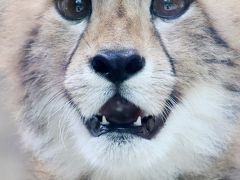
119 115
146 127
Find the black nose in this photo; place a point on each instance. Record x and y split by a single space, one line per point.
118 66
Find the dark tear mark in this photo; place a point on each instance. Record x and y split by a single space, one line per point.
170 58
69 60
216 37
71 102
226 62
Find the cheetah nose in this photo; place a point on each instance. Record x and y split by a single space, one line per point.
117 66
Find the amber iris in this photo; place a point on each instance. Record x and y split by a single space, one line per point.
169 9
74 9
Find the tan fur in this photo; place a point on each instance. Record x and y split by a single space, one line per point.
117 24
225 17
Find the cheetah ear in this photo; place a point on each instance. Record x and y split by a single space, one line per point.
225 17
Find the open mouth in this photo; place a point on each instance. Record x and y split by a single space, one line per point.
121 116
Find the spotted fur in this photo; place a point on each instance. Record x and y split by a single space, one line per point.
46 59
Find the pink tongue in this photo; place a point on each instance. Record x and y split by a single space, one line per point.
120 111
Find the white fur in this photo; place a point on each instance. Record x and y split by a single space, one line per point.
196 131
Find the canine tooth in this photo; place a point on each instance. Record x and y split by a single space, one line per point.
104 120
138 122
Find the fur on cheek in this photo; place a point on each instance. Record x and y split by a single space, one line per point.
195 136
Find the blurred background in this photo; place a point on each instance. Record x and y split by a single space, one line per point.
12 157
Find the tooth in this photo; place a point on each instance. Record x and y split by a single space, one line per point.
104 120
138 122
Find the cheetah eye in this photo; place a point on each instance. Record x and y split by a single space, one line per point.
74 9
169 9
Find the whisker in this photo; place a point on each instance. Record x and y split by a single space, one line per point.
56 95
